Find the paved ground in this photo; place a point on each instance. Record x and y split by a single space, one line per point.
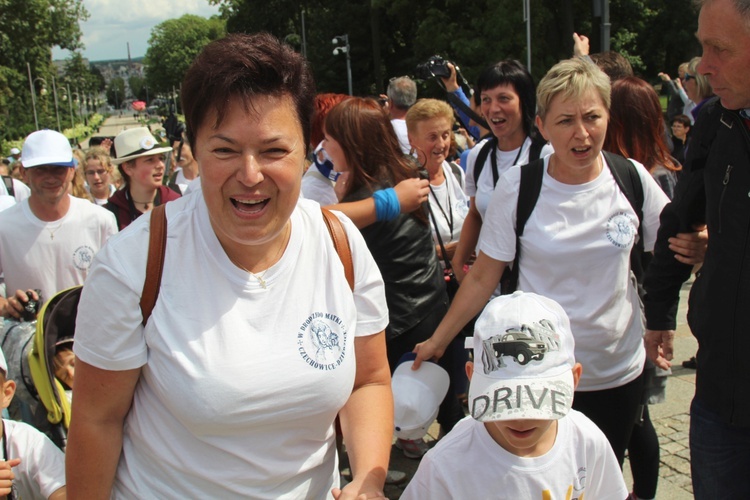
671 420
114 125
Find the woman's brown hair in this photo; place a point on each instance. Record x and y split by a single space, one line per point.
370 146
636 125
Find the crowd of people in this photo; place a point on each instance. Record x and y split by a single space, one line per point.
250 286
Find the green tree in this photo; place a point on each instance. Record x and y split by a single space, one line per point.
28 31
116 92
137 86
173 46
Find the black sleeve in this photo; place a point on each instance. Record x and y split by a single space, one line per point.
665 274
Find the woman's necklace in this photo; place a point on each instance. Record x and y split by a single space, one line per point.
261 275
146 204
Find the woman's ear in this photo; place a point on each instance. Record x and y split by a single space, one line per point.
469 369
540 126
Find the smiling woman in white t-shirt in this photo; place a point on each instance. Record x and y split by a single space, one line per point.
575 248
232 387
507 103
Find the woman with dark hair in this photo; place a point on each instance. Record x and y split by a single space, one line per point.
361 142
508 103
232 387
636 130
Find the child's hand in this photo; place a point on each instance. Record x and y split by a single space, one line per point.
7 476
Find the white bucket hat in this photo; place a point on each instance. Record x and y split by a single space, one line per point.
416 397
135 143
47 147
523 360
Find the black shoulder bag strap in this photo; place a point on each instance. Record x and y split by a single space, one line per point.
627 179
528 194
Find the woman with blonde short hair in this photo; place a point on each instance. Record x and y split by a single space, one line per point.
429 124
575 248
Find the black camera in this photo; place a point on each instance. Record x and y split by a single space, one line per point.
435 66
31 307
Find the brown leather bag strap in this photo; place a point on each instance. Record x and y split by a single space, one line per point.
341 243
157 246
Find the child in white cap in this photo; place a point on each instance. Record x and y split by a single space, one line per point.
522 439
31 465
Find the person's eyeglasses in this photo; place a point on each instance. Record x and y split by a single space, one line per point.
688 77
100 173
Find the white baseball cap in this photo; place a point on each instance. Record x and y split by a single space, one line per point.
47 147
523 360
14 151
417 395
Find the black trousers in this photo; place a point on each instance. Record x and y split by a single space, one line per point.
615 411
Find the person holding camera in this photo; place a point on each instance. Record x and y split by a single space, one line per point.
508 104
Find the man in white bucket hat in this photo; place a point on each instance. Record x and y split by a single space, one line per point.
141 163
522 440
48 241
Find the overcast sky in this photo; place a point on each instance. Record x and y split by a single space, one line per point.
114 23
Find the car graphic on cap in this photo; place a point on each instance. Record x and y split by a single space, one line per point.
520 346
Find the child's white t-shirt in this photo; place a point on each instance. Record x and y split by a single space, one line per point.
240 384
468 463
575 249
42 468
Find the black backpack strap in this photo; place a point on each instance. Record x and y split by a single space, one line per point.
8 181
489 147
528 194
456 173
627 179
537 143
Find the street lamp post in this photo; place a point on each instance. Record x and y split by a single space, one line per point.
33 98
527 18
70 106
57 112
346 49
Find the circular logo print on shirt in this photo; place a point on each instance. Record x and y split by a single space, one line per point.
82 257
621 230
321 341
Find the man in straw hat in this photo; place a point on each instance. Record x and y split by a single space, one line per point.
48 241
140 161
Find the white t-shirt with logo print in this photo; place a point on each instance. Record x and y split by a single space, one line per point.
51 256
240 385
483 189
575 249
468 463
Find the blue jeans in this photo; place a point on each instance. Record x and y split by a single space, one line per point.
719 456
